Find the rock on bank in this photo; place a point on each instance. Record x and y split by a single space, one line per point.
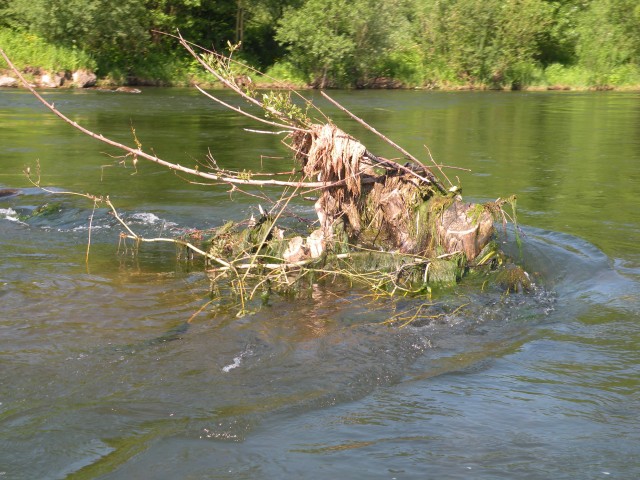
43 79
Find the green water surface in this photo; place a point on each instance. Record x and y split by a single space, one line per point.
100 376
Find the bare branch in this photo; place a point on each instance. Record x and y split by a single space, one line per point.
281 84
246 114
216 74
136 152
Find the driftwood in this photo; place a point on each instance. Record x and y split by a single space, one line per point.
392 225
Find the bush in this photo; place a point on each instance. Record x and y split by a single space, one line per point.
405 66
286 72
607 44
28 50
560 75
627 75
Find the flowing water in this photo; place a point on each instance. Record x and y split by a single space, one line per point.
102 375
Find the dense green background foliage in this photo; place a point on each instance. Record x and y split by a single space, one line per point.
341 43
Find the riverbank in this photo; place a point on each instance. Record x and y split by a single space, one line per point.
44 65
82 78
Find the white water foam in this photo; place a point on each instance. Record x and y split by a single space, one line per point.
81 228
146 218
231 366
9 214
237 361
151 219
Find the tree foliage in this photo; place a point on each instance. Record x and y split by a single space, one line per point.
608 39
485 43
109 30
345 41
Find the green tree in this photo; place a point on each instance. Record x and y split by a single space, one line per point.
259 19
557 43
124 36
210 23
491 42
111 31
339 42
609 39
6 19
213 23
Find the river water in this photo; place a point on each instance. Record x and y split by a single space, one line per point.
102 376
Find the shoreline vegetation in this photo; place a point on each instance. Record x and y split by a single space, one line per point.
577 45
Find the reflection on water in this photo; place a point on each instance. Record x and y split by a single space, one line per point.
103 375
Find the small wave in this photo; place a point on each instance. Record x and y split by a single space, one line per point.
82 228
9 214
237 361
150 219
146 218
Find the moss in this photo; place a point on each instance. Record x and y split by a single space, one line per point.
423 229
46 210
490 255
340 243
475 212
275 249
376 262
446 272
222 241
514 279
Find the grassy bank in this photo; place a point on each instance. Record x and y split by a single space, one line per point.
31 53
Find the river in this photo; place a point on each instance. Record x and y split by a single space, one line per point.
101 376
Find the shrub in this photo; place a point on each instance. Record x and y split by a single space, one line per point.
29 50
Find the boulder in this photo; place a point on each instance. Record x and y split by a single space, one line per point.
84 78
8 192
8 81
51 80
128 90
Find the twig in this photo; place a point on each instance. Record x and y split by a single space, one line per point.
199 311
173 166
185 42
265 132
213 72
268 232
437 166
131 234
177 242
189 47
246 114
